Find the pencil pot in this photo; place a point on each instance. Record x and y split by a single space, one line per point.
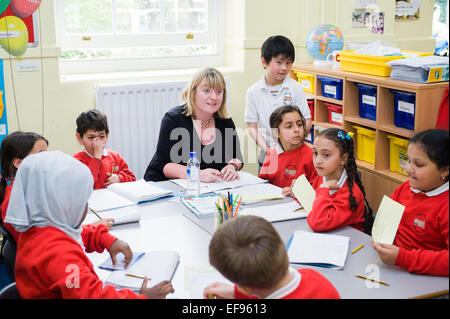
227 211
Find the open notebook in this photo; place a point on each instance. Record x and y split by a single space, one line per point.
321 250
156 265
124 215
245 179
277 212
125 194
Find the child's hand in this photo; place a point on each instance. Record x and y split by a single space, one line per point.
114 178
98 145
119 246
108 222
287 191
159 291
387 253
219 290
210 175
331 184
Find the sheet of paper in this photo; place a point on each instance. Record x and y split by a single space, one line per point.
255 193
315 248
104 199
387 220
278 212
304 192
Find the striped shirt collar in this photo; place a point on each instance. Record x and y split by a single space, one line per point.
434 192
289 287
340 182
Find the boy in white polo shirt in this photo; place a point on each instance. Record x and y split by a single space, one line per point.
275 89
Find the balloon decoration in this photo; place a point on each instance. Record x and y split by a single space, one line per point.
3 5
13 35
24 8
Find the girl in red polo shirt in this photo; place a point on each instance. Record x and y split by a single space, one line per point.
340 198
421 244
291 157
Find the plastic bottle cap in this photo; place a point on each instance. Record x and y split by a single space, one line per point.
192 154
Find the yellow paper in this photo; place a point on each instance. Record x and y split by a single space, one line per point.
304 192
387 220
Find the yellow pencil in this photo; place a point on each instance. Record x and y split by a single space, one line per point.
373 280
357 248
99 217
135 276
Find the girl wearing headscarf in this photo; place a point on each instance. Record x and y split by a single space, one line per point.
47 206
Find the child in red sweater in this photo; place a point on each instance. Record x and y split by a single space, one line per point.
340 198
291 157
249 252
421 244
107 166
48 205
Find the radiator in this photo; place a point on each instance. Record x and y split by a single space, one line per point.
134 114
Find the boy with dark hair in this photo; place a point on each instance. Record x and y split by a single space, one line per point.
249 252
107 166
275 89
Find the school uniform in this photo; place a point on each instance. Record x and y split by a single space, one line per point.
305 284
331 208
422 235
47 209
3 208
111 161
262 100
280 168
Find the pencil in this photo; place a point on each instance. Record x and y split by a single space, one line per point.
134 276
99 217
357 248
237 208
373 280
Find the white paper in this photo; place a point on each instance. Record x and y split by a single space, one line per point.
304 192
138 191
377 48
104 199
200 281
255 193
314 248
387 220
279 212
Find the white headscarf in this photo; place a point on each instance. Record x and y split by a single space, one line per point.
50 189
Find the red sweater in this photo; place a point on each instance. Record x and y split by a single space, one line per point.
281 169
101 168
50 264
333 211
3 209
312 286
422 235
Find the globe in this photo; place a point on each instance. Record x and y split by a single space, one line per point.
323 40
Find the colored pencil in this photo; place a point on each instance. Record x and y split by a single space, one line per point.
357 248
99 217
237 208
134 276
373 280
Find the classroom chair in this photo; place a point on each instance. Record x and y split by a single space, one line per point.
8 252
10 292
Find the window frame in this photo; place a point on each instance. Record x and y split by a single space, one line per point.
214 37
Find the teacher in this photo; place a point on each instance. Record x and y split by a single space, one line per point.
200 125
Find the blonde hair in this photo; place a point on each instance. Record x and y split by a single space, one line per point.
215 80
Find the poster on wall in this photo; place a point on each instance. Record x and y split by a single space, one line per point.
30 22
378 23
3 117
361 19
407 9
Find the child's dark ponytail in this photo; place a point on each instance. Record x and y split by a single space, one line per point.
345 144
15 145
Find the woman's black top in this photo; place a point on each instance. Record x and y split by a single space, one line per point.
177 138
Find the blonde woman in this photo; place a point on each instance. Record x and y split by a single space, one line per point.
200 125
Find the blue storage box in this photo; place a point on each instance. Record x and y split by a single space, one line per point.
404 109
331 87
367 101
310 137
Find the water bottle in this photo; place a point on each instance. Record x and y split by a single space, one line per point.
193 175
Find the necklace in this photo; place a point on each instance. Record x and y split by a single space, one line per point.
207 123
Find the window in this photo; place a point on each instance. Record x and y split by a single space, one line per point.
114 35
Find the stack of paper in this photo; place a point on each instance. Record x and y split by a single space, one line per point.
279 212
245 179
156 265
125 194
421 69
314 249
203 205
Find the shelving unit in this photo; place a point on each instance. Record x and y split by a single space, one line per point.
378 179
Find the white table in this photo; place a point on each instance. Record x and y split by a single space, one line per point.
167 225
